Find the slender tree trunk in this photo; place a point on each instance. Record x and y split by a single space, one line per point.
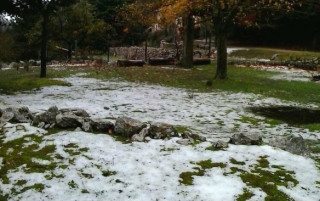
221 41
44 39
187 56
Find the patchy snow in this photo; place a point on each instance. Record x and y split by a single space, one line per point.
216 114
107 169
234 49
16 131
146 171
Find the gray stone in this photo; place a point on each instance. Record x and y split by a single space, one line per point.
16 115
246 139
220 144
49 117
86 126
141 136
127 127
293 143
188 135
76 111
101 125
162 131
41 125
185 141
47 126
68 120
78 129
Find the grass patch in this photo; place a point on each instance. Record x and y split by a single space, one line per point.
246 80
267 53
268 181
14 81
246 195
186 178
234 161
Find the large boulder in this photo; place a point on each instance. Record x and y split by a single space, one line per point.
101 125
16 115
292 143
68 120
220 144
246 139
48 117
127 127
162 131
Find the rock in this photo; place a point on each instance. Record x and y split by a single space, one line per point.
101 125
78 129
220 144
188 135
141 136
185 141
293 143
47 126
127 127
76 111
68 120
246 139
162 131
86 126
16 115
49 117
13 65
41 125
32 62
38 63
20 127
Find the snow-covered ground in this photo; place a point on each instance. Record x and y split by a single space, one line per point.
150 171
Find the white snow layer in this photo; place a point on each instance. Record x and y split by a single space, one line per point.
148 171
216 114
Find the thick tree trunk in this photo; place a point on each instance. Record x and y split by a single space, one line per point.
44 38
221 45
188 37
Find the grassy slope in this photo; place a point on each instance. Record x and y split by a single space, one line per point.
12 80
240 80
267 53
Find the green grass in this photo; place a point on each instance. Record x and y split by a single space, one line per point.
13 81
246 80
267 53
267 181
186 178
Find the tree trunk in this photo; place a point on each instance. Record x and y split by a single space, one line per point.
221 45
44 38
187 57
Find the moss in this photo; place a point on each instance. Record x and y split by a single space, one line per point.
37 187
21 182
268 181
186 178
108 173
84 191
72 184
207 164
88 176
246 195
182 129
234 161
22 155
263 162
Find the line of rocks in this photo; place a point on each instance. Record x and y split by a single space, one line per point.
79 119
136 130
